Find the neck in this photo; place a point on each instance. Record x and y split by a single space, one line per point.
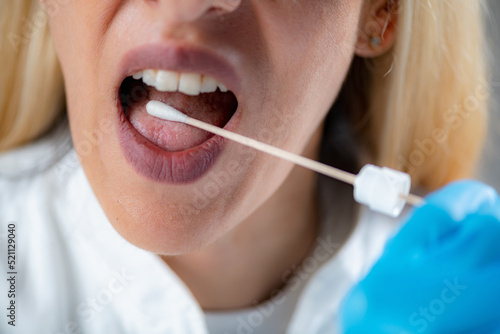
248 264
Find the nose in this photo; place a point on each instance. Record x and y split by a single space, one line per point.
191 10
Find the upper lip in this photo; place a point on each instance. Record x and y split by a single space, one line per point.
180 58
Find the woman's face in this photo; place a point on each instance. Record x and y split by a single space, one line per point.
169 188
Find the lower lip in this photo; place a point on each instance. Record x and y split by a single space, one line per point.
160 165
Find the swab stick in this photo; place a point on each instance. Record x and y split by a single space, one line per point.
383 189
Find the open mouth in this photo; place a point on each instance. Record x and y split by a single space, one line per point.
199 96
190 79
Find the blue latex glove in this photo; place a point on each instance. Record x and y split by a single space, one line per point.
439 274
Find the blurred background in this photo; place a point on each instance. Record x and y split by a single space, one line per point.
490 167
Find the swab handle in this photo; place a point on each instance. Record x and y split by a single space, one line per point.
382 189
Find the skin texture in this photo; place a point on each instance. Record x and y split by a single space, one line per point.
291 56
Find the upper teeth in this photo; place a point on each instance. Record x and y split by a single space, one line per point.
188 83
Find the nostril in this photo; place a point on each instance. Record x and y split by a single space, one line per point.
192 10
182 11
226 6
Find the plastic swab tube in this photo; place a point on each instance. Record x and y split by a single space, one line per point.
383 189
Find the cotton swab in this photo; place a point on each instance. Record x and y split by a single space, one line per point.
383 189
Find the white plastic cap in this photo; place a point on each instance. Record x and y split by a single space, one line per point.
380 189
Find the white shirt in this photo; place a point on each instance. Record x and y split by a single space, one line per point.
75 274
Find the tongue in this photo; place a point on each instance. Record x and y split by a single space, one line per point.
214 108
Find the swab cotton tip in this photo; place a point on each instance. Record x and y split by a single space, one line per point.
165 112
382 189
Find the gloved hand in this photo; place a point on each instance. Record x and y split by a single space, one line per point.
439 274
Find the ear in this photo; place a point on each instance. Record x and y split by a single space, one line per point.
377 28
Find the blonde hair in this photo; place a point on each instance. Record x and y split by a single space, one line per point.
31 83
431 106
439 87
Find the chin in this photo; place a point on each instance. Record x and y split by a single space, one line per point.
169 219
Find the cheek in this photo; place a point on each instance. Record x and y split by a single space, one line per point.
311 47
78 29
317 52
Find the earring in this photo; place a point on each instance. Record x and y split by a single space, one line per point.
375 42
